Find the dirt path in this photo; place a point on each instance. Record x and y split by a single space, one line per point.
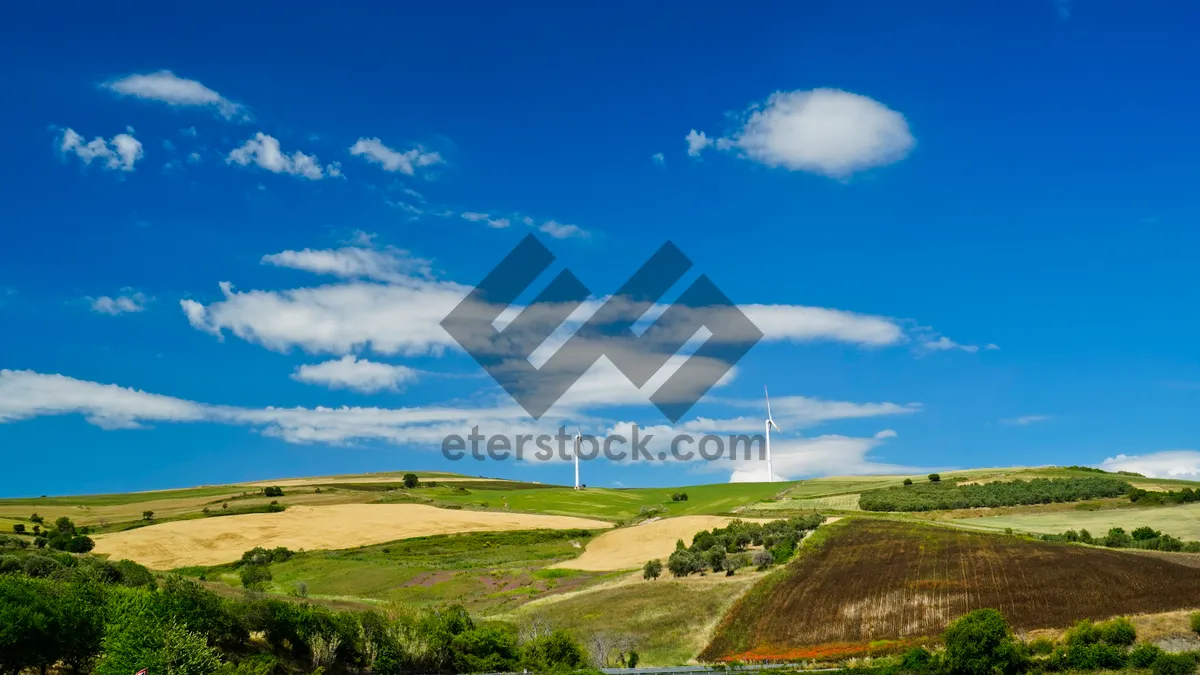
212 541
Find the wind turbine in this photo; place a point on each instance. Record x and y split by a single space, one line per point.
768 423
578 444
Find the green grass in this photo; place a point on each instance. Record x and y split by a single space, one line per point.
1180 521
126 498
606 503
668 619
835 503
486 572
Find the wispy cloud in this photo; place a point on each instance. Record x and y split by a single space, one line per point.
406 162
128 302
166 87
1026 420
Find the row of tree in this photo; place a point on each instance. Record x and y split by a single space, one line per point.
935 495
83 614
62 535
982 643
1161 498
725 549
1144 537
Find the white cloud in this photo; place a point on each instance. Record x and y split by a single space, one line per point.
477 217
830 455
797 323
1026 420
121 152
353 262
1184 464
193 158
943 343
169 88
359 375
407 162
886 433
264 151
824 131
25 394
659 159
562 231
129 302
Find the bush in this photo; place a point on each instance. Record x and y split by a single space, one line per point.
557 651
908 481
1174 664
981 643
273 491
935 478
411 481
1144 655
652 569
255 577
1195 622
1041 646
916 659
762 559
19 528
1119 632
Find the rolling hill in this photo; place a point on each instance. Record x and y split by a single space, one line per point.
869 580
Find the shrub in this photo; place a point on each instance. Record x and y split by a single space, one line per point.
148 516
1195 622
1144 655
19 528
1119 632
556 651
255 577
652 569
1174 664
273 491
1117 538
908 481
411 481
935 478
916 659
1041 646
981 643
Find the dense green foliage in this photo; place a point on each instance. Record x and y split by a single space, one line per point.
1146 538
1160 498
724 548
981 643
83 614
934 496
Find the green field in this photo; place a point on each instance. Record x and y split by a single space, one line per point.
1180 521
835 503
667 620
486 572
610 504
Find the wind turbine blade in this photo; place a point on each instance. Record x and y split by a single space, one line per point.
765 393
776 426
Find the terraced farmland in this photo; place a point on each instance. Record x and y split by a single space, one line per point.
869 580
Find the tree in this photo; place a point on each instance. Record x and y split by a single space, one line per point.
715 558
556 651
734 562
652 569
255 577
1117 538
631 661
908 481
935 478
19 528
411 481
981 643
683 562
762 559
148 516
273 491
35 518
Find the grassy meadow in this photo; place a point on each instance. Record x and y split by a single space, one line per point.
1182 521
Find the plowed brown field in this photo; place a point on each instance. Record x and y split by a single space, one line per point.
872 580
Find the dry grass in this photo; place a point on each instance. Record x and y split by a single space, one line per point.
365 479
630 547
213 541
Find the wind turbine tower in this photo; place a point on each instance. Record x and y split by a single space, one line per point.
767 424
578 443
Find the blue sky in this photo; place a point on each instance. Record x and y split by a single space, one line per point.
969 229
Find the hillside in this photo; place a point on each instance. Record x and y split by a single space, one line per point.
867 580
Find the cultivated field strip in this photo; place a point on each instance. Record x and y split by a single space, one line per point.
885 580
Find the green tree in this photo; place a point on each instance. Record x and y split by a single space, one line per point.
908 481
557 651
652 569
935 478
411 481
273 491
714 558
981 643
148 516
683 562
631 661
19 528
1174 664
255 577
26 625
35 518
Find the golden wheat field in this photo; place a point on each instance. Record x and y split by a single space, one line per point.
213 541
630 547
